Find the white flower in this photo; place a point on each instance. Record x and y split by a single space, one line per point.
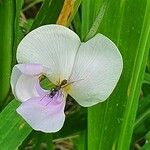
92 70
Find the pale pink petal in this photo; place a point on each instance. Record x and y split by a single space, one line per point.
25 81
44 114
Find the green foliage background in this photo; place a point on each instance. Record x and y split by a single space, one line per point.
120 123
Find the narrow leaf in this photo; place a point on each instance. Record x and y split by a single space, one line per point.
13 129
80 141
9 39
96 23
146 78
142 123
48 13
7 11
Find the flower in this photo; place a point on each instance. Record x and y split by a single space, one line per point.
91 69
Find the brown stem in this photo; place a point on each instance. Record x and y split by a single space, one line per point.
65 12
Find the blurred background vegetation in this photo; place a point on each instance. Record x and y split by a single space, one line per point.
120 123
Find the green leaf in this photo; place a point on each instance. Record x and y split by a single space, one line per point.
77 24
145 89
81 141
96 23
126 23
146 146
31 4
142 123
6 43
13 129
9 38
148 63
74 123
42 140
90 9
38 140
17 31
146 78
48 13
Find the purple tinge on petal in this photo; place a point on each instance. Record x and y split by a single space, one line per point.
24 81
40 90
30 69
45 114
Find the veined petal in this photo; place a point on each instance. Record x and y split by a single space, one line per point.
25 81
44 113
98 66
53 46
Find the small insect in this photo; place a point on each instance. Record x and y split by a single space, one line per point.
57 88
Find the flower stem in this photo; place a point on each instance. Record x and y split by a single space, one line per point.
65 12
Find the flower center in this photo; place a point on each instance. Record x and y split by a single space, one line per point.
55 90
68 88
